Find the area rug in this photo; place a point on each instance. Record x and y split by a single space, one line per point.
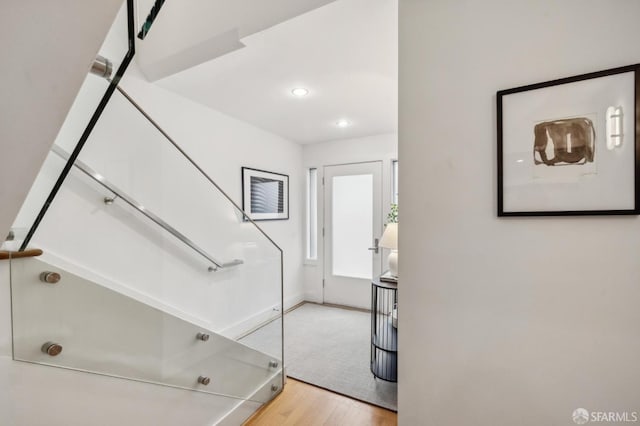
328 347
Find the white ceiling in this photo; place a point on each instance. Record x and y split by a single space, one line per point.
186 34
345 53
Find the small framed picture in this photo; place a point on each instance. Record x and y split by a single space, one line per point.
570 146
265 195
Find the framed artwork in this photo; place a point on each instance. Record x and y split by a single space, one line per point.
265 195
570 146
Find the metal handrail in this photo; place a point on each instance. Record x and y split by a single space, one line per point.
142 209
195 165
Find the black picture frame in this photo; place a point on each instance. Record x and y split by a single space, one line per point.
265 194
517 196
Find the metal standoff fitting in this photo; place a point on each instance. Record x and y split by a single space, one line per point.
102 67
203 380
202 336
274 388
50 277
212 269
273 364
51 349
109 200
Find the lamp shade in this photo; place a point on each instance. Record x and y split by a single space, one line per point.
389 238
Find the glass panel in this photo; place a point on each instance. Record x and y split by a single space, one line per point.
312 214
100 330
352 217
151 252
114 48
85 104
394 167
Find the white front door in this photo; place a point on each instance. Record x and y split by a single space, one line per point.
352 227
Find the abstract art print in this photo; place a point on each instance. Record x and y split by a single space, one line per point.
265 195
570 146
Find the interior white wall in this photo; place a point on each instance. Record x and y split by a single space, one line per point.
505 321
372 148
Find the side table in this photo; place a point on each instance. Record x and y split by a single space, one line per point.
384 336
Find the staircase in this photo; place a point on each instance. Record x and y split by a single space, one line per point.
148 276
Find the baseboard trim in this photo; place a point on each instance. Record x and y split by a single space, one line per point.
245 327
348 308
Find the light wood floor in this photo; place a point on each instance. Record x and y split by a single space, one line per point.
303 404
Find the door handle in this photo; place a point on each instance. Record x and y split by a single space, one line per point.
375 249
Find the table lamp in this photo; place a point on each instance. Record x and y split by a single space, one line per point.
389 240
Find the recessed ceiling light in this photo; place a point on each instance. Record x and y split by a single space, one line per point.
343 123
300 92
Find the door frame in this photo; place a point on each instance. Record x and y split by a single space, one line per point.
323 224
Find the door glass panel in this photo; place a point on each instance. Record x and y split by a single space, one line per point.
352 215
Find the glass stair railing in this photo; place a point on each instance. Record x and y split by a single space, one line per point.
159 273
64 320
95 93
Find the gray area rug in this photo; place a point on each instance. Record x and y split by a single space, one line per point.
328 347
